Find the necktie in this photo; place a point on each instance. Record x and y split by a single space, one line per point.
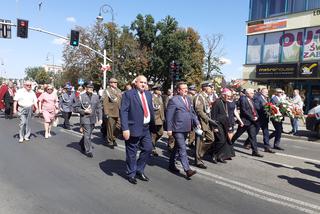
186 102
252 108
144 105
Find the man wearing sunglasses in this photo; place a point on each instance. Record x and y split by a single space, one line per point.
24 101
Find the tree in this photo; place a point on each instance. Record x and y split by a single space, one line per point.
213 54
38 74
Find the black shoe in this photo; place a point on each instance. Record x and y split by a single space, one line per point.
115 143
247 146
214 159
190 173
89 155
278 148
142 176
268 150
222 160
256 154
201 166
110 145
132 180
173 169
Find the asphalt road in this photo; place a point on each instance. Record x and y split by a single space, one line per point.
52 176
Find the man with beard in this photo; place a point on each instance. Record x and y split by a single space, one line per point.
89 107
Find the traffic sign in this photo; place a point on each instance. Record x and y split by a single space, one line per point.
5 29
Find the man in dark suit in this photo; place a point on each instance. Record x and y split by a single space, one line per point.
249 117
136 116
89 107
263 120
180 117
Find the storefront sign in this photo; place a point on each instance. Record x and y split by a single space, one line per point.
267 25
308 69
276 71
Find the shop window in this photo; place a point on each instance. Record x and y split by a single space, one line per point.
254 49
271 48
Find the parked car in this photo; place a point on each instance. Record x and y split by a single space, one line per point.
313 120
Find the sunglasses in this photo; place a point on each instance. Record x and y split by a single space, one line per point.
27 85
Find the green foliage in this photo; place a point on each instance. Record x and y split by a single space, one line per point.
38 74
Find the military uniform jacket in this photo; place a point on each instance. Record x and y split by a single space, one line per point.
202 109
66 102
112 102
83 102
158 108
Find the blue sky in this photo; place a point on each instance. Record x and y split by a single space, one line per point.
226 17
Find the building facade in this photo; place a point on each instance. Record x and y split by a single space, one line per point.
283 45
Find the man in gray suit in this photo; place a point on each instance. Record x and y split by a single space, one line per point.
180 119
89 107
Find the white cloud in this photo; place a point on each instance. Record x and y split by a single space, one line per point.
71 19
59 41
225 61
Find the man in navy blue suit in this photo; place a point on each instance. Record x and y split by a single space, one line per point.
180 117
249 117
263 120
136 114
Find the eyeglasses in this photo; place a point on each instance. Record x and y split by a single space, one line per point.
49 89
113 82
28 85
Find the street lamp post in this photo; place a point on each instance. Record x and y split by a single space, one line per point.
105 9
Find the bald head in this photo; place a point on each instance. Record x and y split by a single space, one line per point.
141 83
250 92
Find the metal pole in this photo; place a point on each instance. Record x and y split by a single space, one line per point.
104 70
113 68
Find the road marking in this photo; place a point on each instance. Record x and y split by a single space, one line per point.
298 157
246 189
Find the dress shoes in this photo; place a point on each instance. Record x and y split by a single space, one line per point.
268 150
132 180
190 173
201 166
173 169
278 148
89 155
222 160
115 143
142 176
214 159
256 154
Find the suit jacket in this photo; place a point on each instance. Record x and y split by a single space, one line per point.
131 112
67 101
179 117
202 109
246 112
158 108
95 105
259 103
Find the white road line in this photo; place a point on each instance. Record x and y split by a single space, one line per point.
249 190
298 157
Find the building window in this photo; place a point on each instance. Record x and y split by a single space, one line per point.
271 48
258 9
295 6
291 42
277 7
313 4
254 49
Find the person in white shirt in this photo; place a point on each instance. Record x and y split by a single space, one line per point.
297 103
25 99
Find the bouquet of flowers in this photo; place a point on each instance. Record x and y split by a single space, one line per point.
286 108
273 111
298 113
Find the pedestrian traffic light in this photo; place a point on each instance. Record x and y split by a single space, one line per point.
74 38
22 28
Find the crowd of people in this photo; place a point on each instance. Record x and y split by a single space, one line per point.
208 123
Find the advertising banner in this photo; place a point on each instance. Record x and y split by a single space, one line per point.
308 69
281 71
311 49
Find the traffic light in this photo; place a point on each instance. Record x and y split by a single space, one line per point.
74 38
22 28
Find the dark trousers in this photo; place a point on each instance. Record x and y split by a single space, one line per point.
66 116
144 143
265 131
180 147
277 132
252 135
8 110
85 142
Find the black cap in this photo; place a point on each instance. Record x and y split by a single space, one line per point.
192 88
90 85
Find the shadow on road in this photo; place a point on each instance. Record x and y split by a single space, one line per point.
111 167
316 165
311 186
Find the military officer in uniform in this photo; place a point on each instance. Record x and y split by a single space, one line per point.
202 109
111 105
158 107
89 107
66 103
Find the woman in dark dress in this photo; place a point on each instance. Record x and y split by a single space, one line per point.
223 112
